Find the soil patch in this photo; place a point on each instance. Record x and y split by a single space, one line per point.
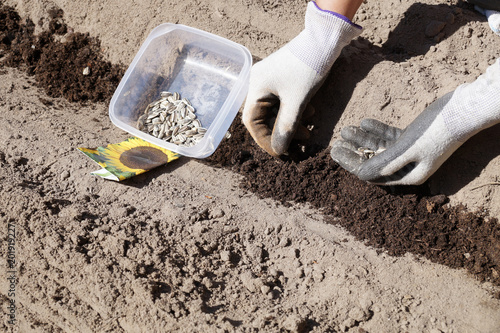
73 69
398 220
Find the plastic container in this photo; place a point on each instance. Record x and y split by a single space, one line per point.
211 71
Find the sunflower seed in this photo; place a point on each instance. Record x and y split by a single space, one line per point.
170 108
180 106
186 121
368 153
191 132
175 130
183 112
172 119
196 123
181 137
162 131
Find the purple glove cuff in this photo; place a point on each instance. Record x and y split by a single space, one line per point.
340 16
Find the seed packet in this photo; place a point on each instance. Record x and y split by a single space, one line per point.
128 158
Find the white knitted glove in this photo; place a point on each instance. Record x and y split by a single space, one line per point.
414 154
289 77
493 18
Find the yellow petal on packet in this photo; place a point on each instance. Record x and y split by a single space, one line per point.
128 158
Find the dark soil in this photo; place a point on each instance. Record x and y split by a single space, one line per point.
396 220
58 67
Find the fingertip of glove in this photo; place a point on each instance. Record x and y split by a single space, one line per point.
335 151
339 144
265 143
278 149
369 122
343 154
348 132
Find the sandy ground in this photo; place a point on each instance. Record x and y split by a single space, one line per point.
183 248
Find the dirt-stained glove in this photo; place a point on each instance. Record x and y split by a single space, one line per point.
289 78
385 155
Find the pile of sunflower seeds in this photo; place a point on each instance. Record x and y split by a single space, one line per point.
172 119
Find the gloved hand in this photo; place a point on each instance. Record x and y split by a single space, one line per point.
411 156
493 18
289 78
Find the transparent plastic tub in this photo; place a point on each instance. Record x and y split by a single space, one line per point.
210 71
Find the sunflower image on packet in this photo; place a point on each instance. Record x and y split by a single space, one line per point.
128 158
